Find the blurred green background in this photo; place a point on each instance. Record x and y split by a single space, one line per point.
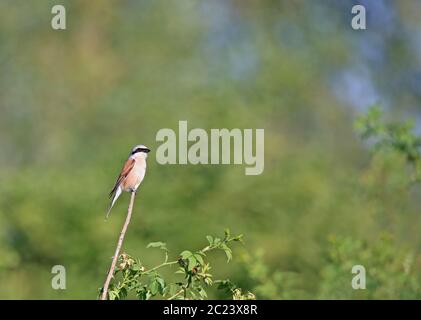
74 102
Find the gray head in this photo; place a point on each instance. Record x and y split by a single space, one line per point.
140 148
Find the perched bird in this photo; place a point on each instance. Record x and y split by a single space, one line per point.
131 175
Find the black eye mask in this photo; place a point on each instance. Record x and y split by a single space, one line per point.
145 150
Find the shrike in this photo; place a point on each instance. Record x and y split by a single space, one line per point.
131 175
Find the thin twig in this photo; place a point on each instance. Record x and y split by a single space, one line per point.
160 266
176 294
117 250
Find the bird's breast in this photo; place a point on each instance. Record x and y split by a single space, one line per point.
136 175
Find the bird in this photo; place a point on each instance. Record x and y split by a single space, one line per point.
131 175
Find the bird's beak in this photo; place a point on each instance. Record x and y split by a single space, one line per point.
147 150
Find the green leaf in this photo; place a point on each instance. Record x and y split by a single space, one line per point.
238 238
217 241
199 259
192 262
123 293
228 251
186 254
229 255
208 281
112 295
210 239
202 292
136 267
225 285
180 270
154 287
148 295
142 293
161 284
227 233
159 244
194 296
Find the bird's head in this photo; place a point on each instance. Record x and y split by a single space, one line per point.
140 150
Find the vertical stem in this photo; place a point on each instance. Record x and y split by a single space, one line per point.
117 250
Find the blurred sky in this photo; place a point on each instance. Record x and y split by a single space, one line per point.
230 38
